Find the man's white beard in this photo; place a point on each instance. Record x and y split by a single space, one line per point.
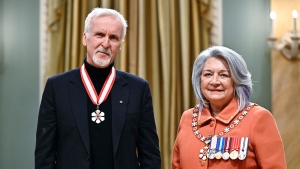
102 63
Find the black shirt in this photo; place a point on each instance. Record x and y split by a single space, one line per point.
100 134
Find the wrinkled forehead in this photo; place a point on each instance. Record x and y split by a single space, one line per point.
107 21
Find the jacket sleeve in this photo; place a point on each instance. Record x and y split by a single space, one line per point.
46 134
266 141
148 144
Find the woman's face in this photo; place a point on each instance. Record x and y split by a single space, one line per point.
216 83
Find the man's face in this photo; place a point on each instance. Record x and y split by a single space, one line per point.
103 42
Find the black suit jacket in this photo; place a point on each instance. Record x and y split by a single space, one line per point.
62 137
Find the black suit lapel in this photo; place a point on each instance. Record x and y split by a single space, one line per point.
78 98
119 95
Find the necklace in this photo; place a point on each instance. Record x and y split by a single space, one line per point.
206 139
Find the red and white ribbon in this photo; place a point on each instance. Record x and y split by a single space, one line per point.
235 144
90 89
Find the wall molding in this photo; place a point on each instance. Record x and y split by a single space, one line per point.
216 16
43 44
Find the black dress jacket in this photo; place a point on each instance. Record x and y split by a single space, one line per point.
62 137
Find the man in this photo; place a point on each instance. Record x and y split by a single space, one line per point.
96 117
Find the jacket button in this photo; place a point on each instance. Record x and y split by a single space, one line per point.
88 158
212 124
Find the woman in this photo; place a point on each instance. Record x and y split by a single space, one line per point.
226 130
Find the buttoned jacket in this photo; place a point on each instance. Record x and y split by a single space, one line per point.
63 131
265 148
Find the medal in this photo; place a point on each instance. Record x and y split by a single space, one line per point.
218 155
220 147
225 155
97 116
204 151
213 145
234 155
243 148
235 146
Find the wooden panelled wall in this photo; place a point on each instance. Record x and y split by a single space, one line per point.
286 83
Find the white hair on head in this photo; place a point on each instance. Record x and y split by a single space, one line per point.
238 70
104 12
